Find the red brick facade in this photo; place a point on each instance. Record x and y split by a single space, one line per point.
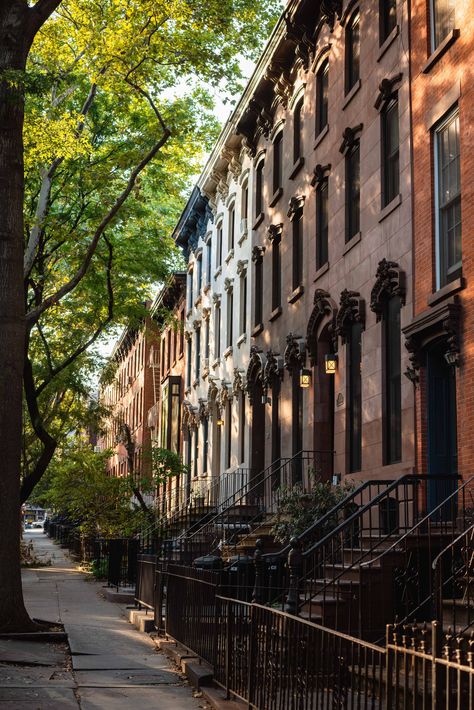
441 80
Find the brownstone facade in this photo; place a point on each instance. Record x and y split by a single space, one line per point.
441 337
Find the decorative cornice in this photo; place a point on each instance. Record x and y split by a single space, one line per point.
257 254
216 299
351 310
320 174
232 155
295 352
298 34
295 207
389 281
203 410
330 11
228 284
325 309
238 384
273 368
350 136
386 90
254 370
274 232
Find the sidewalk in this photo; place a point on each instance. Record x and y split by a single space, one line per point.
113 666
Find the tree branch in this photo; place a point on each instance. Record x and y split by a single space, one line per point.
82 348
37 16
52 300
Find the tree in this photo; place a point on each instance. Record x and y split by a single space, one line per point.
99 64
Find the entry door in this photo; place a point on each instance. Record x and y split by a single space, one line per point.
258 431
442 430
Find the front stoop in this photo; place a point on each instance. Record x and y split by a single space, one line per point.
199 674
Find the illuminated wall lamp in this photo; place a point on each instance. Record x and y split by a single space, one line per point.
220 422
305 378
330 362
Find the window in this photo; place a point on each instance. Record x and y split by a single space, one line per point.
231 235
297 226
443 17
448 200
244 209
196 453
206 340
352 51
297 131
208 261
190 290
322 86
163 346
354 410
228 448
242 428
181 333
387 18
217 331
243 303
258 313
219 246
188 363
322 229
230 320
390 152
168 348
393 381
199 275
259 189
276 272
353 191
205 442
277 161
197 354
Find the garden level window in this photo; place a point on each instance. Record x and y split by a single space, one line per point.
277 161
352 191
322 222
443 18
322 90
352 52
387 18
393 381
354 410
448 200
390 152
297 131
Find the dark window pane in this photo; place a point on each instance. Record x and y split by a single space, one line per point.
231 237
352 52
259 189
276 274
322 230
277 161
322 86
388 18
258 293
353 192
297 131
449 199
390 152
297 252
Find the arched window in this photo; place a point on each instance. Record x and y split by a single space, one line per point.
298 131
259 190
277 162
322 97
352 52
231 234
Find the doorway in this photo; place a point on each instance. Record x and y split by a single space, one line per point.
323 414
442 427
257 459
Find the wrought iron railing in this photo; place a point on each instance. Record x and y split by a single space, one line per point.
408 562
453 572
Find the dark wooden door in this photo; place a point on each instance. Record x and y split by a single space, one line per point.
258 431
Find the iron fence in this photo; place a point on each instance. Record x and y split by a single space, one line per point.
453 571
145 586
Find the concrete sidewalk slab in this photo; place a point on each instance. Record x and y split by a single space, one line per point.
126 698
38 699
14 676
31 652
125 678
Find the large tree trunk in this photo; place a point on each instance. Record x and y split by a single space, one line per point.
13 18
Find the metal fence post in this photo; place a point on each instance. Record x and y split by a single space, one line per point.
295 559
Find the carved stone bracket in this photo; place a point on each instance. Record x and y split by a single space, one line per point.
238 384
386 90
295 207
242 265
320 174
438 324
190 415
257 254
224 395
216 298
228 285
232 155
206 313
273 368
295 352
279 75
298 34
351 310
203 410
349 137
389 281
274 232
254 370
330 11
